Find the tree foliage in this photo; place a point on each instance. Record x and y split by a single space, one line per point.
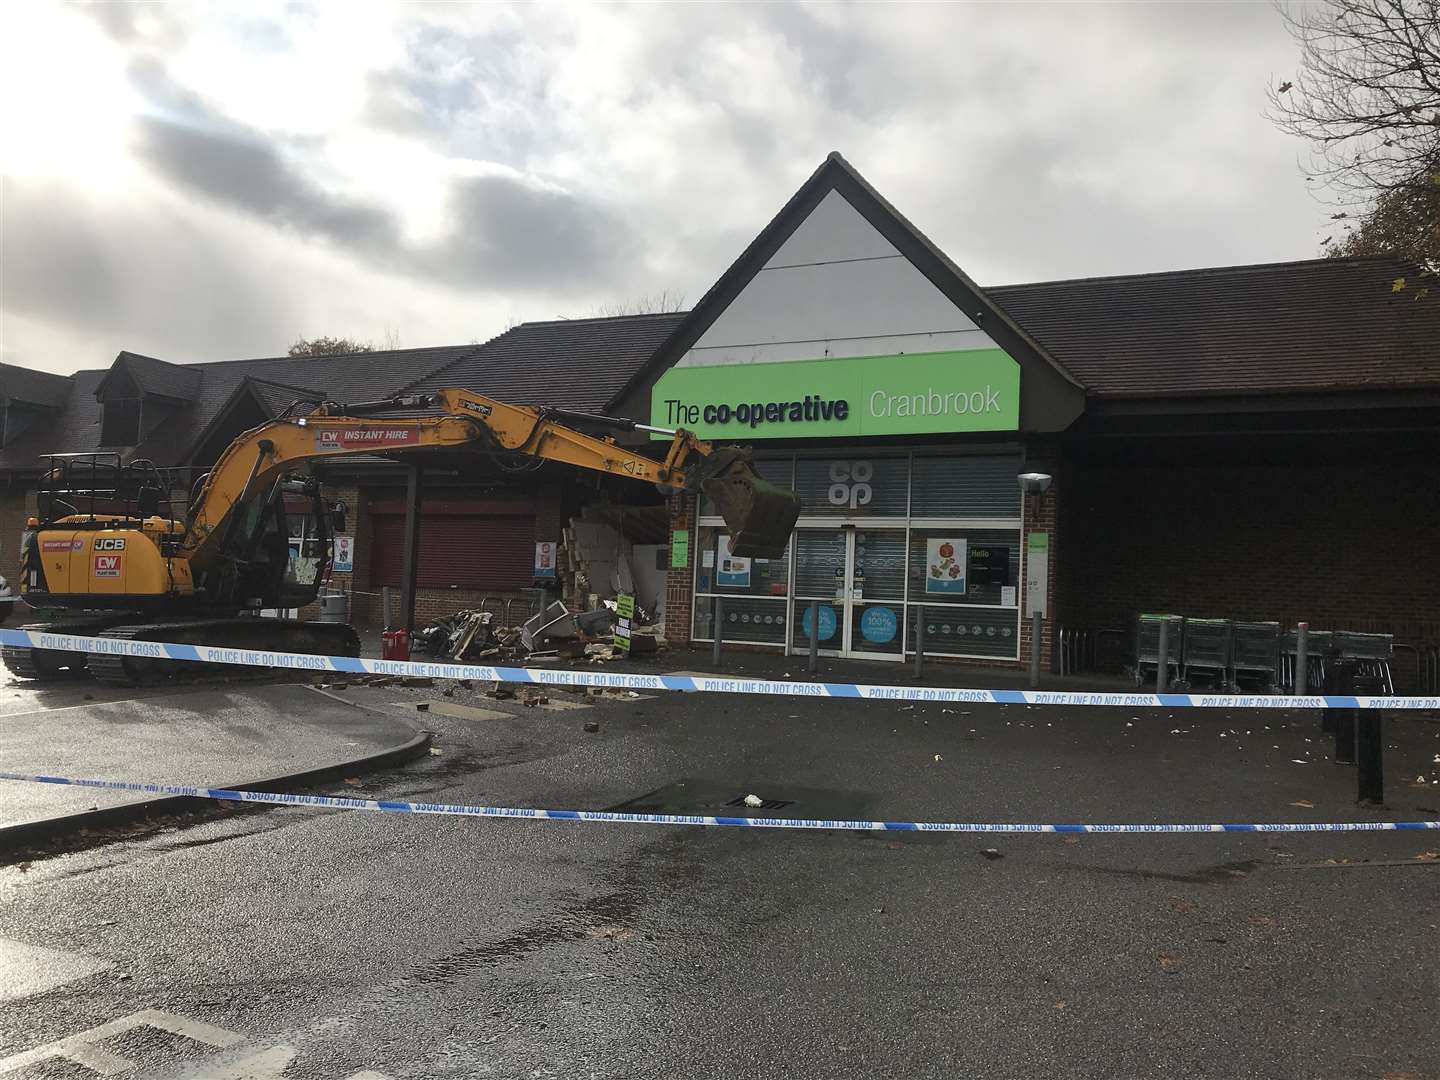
1404 221
1367 99
329 346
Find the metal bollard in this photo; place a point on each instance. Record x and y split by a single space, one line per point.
1341 721
718 631
920 643
1345 736
1370 744
814 636
1035 624
1162 656
385 604
1302 658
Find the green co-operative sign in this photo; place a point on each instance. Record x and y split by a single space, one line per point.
974 390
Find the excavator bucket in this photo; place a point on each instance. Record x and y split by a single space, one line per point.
759 515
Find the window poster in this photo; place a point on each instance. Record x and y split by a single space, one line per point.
945 569
734 572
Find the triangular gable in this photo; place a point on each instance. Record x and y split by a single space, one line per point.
839 270
252 402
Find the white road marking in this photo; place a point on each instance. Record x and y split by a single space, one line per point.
31 969
82 1050
267 1064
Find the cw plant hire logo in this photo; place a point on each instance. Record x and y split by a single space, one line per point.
816 407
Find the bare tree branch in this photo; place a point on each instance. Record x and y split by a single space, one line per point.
1367 100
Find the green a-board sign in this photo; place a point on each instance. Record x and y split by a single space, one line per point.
625 619
917 393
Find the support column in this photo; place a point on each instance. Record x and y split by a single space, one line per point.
409 571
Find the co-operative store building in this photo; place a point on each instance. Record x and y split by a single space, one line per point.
1253 442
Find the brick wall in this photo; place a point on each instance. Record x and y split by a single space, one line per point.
680 582
1343 547
16 504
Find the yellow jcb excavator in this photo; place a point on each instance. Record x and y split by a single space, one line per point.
103 550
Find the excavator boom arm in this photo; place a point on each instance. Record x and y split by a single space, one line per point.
755 511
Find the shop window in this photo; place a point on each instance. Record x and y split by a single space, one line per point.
953 565
746 620
967 631
965 485
719 571
853 486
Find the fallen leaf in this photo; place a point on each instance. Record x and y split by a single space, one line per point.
1404 1074
1059 1004
1306 803
1069 839
1183 906
1170 962
1260 920
353 781
611 933
1428 856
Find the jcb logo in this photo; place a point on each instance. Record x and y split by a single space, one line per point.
850 483
106 543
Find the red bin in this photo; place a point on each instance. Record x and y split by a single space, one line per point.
395 644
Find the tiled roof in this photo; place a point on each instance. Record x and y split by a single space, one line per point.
160 378
33 387
569 363
1298 327
171 434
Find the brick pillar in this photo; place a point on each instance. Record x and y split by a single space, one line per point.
680 582
1039 514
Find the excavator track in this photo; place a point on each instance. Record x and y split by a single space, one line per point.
278 635
49 665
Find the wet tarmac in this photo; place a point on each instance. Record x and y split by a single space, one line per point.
336 945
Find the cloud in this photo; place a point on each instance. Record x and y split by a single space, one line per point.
249 174
505 231
453 167
133 277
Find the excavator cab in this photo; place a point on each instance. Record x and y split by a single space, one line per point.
759 515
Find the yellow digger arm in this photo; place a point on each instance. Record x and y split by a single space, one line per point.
749 505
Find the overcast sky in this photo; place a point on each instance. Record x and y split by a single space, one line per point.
195 182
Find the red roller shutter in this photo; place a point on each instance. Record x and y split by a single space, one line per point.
472 551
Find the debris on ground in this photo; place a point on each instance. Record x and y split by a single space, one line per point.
754 800
591 727
1170 962
991 853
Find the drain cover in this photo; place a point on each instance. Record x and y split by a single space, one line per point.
719 798
764 804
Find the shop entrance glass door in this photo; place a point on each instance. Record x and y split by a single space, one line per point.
858 576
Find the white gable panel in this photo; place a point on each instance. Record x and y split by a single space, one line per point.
833 231
778 352
876 298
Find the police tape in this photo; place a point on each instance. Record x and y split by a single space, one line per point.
393 806
710 684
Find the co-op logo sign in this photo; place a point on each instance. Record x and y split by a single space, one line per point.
972 390
850 484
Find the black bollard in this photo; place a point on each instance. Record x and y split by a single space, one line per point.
1370 744
719 631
